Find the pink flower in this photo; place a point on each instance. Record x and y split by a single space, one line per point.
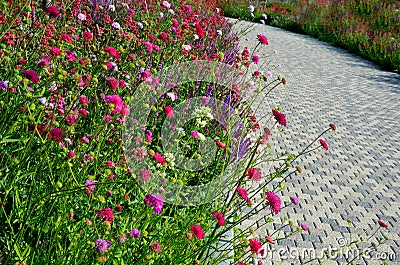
112 83
83 112
31 75
253 174
269 239
149 46
187 9
304 227
197 231
89 186
256 59
256 246
83 100
112 51
71 120
262 39
242 193
55 133
107 214
155 247
145 175
110 164
220 218
65 37
279 117
295 200
195 134
149 136
118 208
55 52
156 201
169 111
159 158
52 11
274 201
324 144
71 154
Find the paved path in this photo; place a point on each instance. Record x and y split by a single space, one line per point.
359 177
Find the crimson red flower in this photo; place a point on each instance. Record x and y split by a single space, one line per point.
324 144
31 75
279 117
382 224
220 144
262 39
333 126
274 201
87 35
112 51
220 218
52 11
112 83
242 193
163 36
197 231
107 214
169 111
65 37
253 174
55 52
256 246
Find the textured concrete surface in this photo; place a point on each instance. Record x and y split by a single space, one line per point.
358 179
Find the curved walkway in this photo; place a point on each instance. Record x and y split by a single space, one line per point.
358 179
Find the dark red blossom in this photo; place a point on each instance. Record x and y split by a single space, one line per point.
262 39
197 231
220 218
31 75
112 51
256 246
382 224
279 117
324 144
52 11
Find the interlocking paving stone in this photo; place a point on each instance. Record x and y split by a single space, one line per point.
358 178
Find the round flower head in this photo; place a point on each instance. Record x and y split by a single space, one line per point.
279 117
256 246
324 144
155 247
52 11
262 39
197 231
31 75
102 245
274 201
156 201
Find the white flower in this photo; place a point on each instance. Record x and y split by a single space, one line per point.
112 8
201 136
264 16
262 21
219 32
116 25
140 25
161 15
42 100
217 10
172 95
201 122
81 16
181 131
251 8
186 47
166 4
196 37
171 11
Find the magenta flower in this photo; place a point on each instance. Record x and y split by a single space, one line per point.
262 39
242 193
31 75
159 158
304 227
279 117
156 201
107 214
256 246
197 231
295 200
220 218
112 51
169 111
195 134
274 201
149 136
255 59
52 11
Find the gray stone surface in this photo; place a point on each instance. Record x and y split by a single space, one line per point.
358 179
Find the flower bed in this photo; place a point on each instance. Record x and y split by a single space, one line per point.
128 134
367 28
